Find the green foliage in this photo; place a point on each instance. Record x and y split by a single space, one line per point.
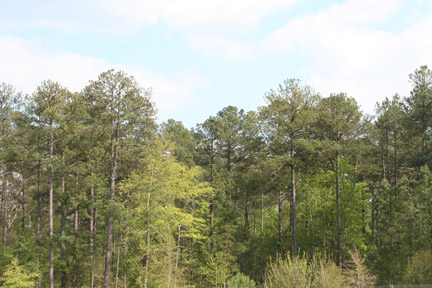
210 207
15 276
289 273
241 281
419 269
326 274
165 204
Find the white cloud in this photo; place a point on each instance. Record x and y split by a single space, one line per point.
349 54
25 64
127 16
222 47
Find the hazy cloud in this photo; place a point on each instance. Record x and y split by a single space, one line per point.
25 64
350 54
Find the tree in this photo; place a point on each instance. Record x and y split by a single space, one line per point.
290 110
167 201
128 110
48 106
419 104
338 127
10 102
175 132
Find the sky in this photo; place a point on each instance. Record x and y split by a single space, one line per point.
199 56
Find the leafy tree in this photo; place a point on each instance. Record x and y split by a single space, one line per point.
167 201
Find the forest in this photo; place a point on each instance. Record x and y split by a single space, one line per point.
306 191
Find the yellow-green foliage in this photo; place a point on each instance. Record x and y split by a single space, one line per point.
165 199
419 269
16 277
318 272
357 273
241 281
289 273
327 274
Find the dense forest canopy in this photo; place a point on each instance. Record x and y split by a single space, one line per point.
307 191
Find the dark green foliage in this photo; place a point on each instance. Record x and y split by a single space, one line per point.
213 206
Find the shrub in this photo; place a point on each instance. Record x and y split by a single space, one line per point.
16 277
241 281
289 273
327 274
357 273
419 269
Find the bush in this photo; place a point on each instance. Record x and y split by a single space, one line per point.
241 281
327 274
419 269
319 272
357 273
16 277
289 273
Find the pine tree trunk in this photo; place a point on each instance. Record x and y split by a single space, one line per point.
246 217
113 175
177 256
280 221
92 229
211 200
3 209
118 261
262 213
62 224
339 217
38 211
148 243
293 200
51 191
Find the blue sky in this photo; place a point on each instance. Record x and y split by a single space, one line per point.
199 56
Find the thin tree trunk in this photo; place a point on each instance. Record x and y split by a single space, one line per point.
76 224
280 221
125 279
62 224
148 242
339 217
38 212
118 261
211 200
293 200
51 191
92 229
93 246
23 202
246 216
262 213
3 208
177 256
114 155
62 245
254 219
147 260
